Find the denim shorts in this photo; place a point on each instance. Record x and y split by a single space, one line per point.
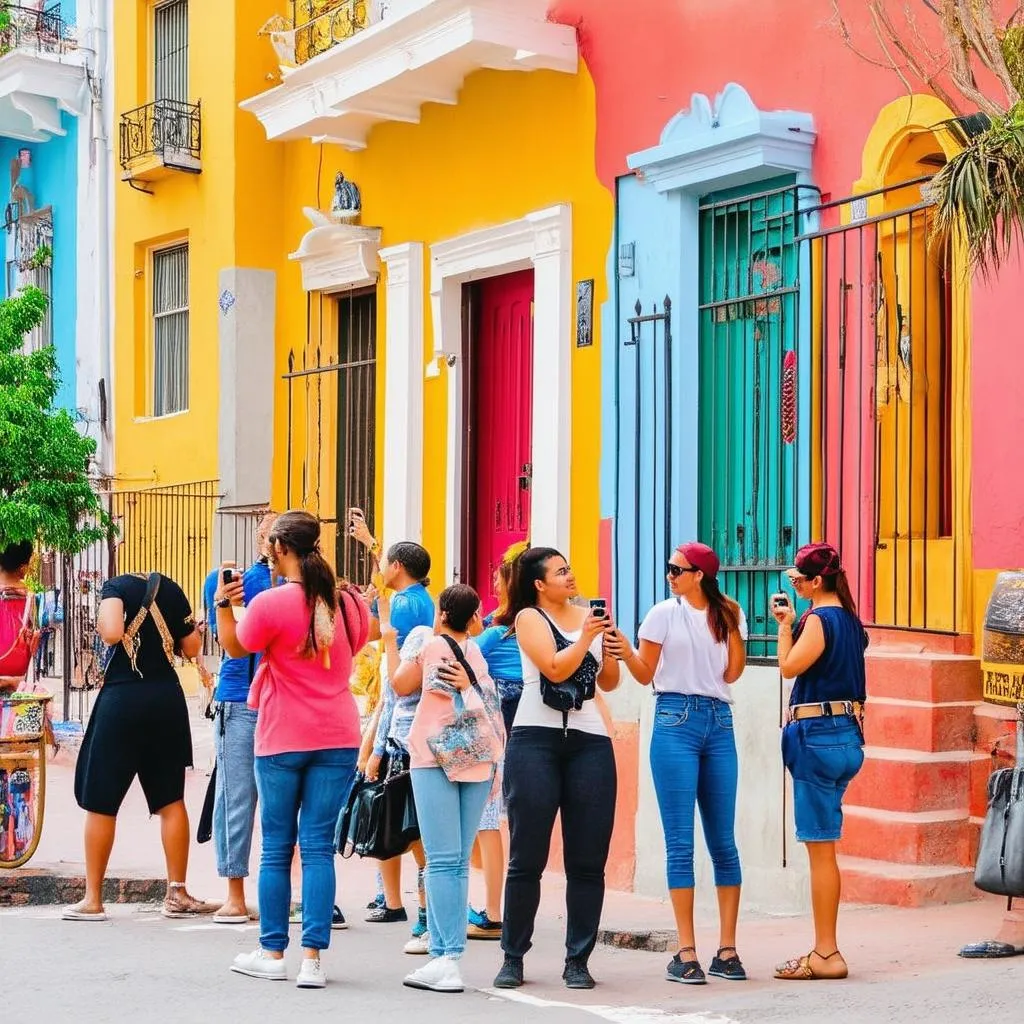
823 755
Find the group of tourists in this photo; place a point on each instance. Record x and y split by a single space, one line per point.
497 717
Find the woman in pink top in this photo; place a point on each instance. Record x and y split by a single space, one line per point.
455 743
307 733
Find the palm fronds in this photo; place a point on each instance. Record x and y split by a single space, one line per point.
979 193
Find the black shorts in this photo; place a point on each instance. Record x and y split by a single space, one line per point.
135 729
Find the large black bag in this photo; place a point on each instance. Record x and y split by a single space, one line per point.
1000 867
379 818
572 693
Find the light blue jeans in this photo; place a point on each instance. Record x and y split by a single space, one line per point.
301 796
449 815
234 803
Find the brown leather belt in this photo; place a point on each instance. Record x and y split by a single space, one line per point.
828 709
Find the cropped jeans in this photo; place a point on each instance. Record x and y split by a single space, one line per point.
301 796
234 802
449 816
694 764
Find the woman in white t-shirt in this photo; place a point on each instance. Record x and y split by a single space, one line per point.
692 648
557 761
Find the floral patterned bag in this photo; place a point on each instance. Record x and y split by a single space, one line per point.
469 739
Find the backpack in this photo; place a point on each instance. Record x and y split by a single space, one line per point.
19 637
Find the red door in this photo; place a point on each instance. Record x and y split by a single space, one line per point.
497 510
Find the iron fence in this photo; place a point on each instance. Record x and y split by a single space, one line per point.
168 130
887 490
32 28
322 24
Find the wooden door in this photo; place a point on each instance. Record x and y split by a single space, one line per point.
496 505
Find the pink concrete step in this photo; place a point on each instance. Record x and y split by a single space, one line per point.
919 641
921 676
895 779
921 837
917 725
905 885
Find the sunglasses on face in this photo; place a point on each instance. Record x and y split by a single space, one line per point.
675 571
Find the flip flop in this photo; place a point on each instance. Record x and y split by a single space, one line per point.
990 950
230 919
72 914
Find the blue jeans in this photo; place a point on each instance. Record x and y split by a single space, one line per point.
449 815
823 755
234 803
301 796
693 761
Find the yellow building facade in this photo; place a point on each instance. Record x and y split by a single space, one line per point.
274 352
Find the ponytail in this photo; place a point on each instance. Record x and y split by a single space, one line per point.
318 585
723 614
842 591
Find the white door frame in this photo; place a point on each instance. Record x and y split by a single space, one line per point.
541 241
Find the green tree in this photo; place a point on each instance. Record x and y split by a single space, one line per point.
45 494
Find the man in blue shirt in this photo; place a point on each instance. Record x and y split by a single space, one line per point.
234 808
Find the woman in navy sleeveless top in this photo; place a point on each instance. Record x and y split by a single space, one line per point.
822 744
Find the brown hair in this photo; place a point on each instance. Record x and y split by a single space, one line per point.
723 614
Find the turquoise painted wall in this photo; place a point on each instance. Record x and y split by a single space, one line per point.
53 181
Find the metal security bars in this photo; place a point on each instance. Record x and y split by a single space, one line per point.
170 330
749 472
29 28
33 266
168 131
170 51
886 488
332 422
322 24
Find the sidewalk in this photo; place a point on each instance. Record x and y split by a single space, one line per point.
876 941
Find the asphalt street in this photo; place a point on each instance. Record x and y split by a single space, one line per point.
139 967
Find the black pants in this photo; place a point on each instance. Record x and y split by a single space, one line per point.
547 771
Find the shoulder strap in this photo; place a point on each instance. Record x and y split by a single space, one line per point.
130 641
461 658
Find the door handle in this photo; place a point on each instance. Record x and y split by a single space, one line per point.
526 477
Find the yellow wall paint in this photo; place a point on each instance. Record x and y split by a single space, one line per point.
217 211
513 144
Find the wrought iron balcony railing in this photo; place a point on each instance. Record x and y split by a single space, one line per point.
322 24
167 130
30 28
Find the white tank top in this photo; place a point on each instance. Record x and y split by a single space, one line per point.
534 712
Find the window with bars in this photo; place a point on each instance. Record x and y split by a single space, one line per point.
170 51
170 330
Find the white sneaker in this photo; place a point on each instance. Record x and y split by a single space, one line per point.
311 974
439 975
260 964
418 945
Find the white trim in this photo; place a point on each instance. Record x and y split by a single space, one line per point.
35 88
337 257
420 53
403 394
543 241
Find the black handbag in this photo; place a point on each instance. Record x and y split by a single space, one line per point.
379 819
204 831
581 686
1000 866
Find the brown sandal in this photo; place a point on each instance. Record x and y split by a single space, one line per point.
801 970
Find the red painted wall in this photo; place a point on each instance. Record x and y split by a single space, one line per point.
648 57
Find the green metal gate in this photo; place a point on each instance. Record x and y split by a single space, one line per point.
749 319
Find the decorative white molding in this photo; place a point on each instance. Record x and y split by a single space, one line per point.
728 144
419 53
543 241
403 394
335 257
35 88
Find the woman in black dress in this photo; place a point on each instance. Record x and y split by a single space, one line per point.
139 727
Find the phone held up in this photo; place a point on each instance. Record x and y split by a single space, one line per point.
599 607
780 602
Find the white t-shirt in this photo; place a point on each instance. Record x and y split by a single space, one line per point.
534 712
692 661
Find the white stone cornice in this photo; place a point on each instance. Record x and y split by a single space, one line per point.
420 53
337 257
35 87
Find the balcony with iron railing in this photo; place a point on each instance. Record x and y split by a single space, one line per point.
161 138
42 71
347 65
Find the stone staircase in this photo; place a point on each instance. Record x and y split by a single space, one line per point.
912 815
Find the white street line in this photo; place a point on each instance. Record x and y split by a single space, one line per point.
616 1014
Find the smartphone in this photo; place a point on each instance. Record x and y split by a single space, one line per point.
780 601
227 575
599 607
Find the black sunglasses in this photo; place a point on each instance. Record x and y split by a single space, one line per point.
675 571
